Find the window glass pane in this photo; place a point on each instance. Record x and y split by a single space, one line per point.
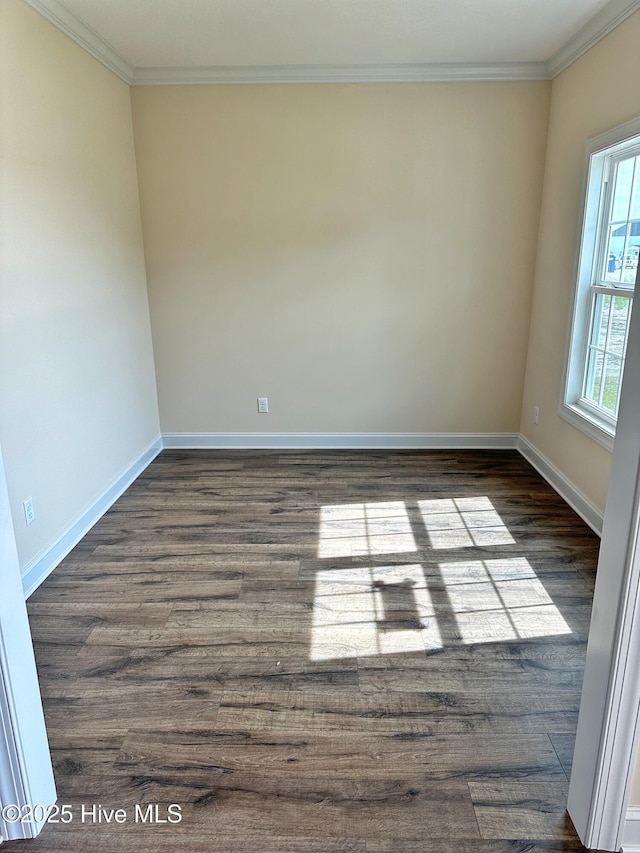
612 379
607 345
595 369
635 196
619 324
630 261
615 252
601 314
622 190
620 261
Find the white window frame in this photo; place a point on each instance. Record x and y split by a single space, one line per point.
616 144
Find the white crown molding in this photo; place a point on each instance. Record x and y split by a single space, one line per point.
613 14
415 73
76 29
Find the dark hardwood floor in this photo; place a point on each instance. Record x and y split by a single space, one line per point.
320 651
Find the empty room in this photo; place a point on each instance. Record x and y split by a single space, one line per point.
319 407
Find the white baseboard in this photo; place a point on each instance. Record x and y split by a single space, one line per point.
631 832
44 563
394 441
339 441
579 502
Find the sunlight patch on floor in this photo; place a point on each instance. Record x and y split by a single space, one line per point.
372 611
497 600
375 610
463 523
357 530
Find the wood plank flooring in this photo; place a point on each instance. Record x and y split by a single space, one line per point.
374 652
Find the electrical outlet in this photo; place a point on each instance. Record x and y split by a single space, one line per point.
536 414
263 405
29 512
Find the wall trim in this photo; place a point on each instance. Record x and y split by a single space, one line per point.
604 22
429 72
339 441
35 572
44 563
83 35
613 14
631 835
578 501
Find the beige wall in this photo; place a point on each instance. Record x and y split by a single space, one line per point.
76 366
593 95
361 254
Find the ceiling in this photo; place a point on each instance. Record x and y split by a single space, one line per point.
175 37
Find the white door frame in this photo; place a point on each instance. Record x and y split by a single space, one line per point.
26 774
607 735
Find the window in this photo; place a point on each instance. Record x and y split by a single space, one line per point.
607 270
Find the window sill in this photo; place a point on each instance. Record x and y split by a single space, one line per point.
588 423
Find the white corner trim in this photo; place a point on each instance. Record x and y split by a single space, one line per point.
579 502
72 26
631 833
613 14
44 563
340 441
414 73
